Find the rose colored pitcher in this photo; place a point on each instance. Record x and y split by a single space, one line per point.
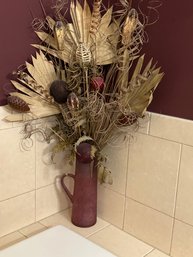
84 197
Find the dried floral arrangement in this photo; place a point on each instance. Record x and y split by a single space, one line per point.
88 72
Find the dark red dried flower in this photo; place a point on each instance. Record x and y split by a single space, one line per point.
97 83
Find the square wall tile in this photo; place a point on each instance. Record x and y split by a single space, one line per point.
151 226
49 200
64 218
110 206
120 243
184 207
17 212
172 128
152 172
46 170
117 158
17 174
182 245
5 111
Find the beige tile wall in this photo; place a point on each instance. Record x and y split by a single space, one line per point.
29 189
158 188
151 197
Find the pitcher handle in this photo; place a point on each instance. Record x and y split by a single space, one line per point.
65 187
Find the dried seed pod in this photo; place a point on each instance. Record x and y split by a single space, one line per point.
59 34
97 83
96 16
104 175
83 55
18 104
129 26
73 101
58 90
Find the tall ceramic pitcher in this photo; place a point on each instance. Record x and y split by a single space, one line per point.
84 197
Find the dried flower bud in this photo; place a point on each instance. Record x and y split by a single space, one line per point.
58 25
59 34
18 104
97 83
129 26
73 101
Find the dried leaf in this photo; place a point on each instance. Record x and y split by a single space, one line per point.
59 54
59 30
142 96
138 68
105 21
51 22
86 21
48 39
23 89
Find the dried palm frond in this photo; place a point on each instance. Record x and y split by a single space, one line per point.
36 94
141 87
79 32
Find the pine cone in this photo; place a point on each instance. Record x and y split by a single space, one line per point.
18 104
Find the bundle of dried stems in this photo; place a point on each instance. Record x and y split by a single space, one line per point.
88 71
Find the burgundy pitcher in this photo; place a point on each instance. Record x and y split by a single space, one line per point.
84 198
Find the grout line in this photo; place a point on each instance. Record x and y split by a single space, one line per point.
124 214
44 224
145 242
186 223
148 252
18 230
98 230
15 196
60 212
166 139
113 190
149 207
12 197
134 236
176 195
22 233
160 211
53 183
172 117
41 224
127 171
149 124
177 179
